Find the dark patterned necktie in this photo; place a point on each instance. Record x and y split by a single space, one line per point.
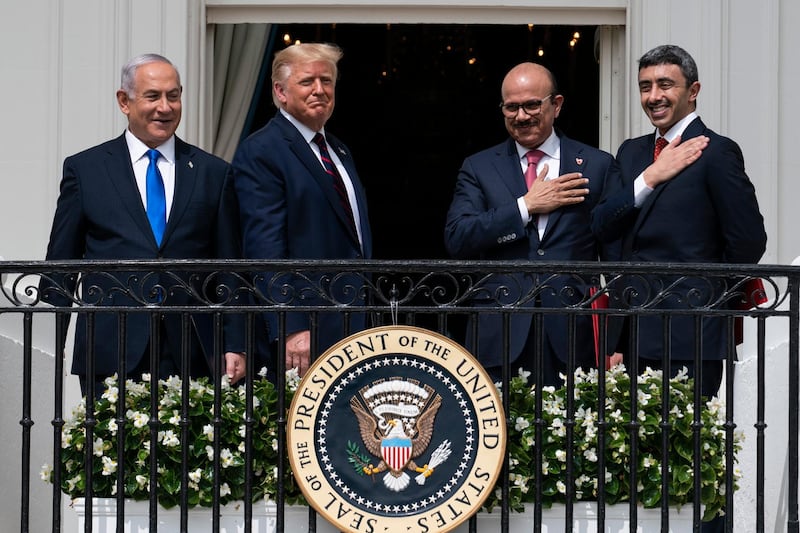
336 178
661 142
156 199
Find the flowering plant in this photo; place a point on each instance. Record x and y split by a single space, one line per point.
618 409
136 456
521 442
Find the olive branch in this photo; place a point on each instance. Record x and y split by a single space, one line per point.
358 460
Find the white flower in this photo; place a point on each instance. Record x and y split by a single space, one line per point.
591 455
109 465
263 372
111 394
558 428
208 431
142 481
562 488
46 472
139 419
73 481
169 438
98 447
292 379
275 444
196 474
210 452
561 455
642 397
112 426
521 423
173 383
224 490
226 458
524 374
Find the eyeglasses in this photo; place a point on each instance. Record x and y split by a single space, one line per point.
531 107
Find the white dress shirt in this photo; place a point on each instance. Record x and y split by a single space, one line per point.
552 157
166 165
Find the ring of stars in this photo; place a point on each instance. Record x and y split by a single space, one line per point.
465 460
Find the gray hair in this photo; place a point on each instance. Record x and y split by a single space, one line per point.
303 53
129 70
669 54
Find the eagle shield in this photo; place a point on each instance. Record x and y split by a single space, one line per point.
396 451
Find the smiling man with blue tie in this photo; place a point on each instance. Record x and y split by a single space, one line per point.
145 195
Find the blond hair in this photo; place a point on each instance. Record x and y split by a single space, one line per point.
302 53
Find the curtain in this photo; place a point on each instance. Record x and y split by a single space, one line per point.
238 54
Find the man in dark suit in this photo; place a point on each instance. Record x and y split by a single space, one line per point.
511 207
693 203
300 198
119 202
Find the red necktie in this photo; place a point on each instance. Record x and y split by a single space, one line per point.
661 142
338 183
533 158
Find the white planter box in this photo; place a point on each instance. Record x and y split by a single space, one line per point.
584 516
104 518
296 519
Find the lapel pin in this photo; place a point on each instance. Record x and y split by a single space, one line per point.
191 165
578 161
341 151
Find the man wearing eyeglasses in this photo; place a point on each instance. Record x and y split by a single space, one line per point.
529 198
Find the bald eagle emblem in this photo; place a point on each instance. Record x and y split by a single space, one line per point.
395 419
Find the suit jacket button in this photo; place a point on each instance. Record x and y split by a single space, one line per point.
513 235
540 251
499 240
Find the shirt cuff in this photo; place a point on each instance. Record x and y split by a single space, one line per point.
523 211
640 190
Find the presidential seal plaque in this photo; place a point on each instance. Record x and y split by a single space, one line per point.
396 429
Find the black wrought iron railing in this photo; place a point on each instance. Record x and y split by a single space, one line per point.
205 301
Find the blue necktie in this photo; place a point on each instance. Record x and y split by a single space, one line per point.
156 200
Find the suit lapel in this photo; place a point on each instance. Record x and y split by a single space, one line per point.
645 158
185 181
361 199
571 160
509 169
301 149
120 174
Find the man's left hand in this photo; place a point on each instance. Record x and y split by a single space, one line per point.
234 366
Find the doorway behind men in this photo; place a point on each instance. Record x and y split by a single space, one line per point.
413 100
